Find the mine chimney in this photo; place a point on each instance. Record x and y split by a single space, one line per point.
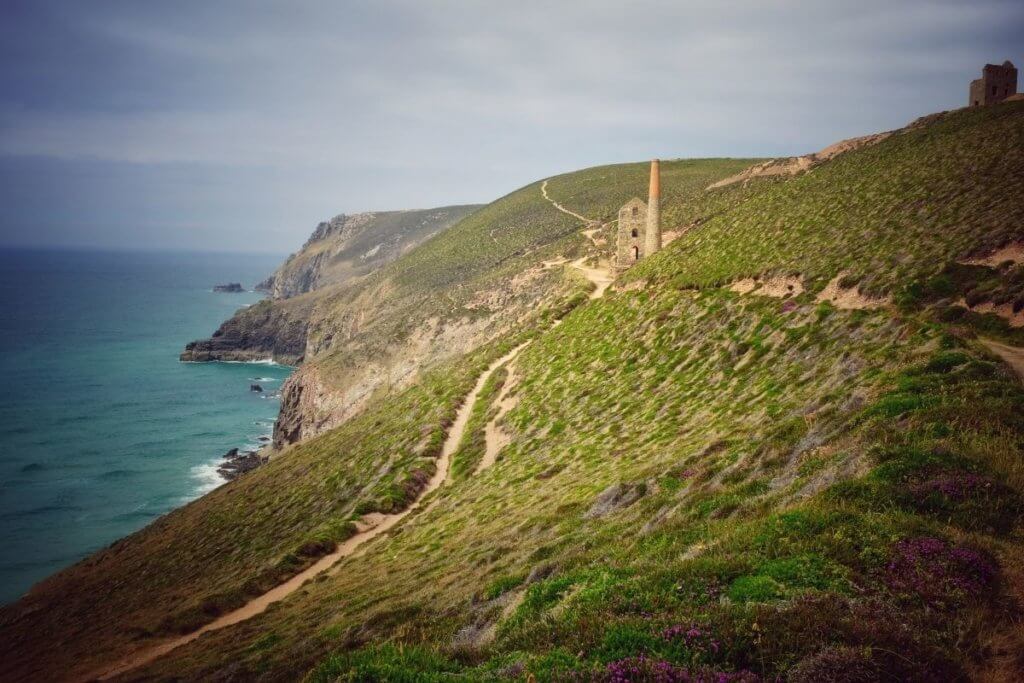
652 241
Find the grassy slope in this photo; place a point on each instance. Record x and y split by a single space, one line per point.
441 277
817 491
209 556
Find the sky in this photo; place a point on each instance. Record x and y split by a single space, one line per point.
237 125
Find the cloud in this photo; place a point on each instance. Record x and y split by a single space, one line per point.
404 90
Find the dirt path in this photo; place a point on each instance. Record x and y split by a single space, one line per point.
544 191
1013 355
589 234
599 276
378 524
496 438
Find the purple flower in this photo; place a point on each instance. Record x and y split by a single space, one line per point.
937 571
644 669
955 485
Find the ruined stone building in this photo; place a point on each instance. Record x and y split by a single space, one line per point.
632 229
640 224
997 82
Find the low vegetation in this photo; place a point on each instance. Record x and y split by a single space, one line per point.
701 484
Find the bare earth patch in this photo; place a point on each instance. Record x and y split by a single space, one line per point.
744 286
1004 311
781 287
495 436
1013 355
1014 251
850 297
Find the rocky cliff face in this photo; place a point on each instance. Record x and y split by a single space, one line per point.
263 330
340 251
350 246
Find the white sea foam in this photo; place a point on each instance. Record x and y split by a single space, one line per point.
257 361
207 476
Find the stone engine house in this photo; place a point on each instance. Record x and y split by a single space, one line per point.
632 232
640 225
997 82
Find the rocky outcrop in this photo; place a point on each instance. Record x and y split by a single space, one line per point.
230 288
261 331
351 246
239 462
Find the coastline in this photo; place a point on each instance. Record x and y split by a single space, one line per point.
107 432
252 452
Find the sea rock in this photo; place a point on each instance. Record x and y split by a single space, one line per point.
255 387
231 288
238 463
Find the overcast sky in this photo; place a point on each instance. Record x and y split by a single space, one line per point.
237 125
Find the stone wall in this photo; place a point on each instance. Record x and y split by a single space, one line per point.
997 82
632 228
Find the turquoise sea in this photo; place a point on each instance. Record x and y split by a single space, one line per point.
101 428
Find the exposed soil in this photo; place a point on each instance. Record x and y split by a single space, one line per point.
495 437
1004 311
849 298
601 277
1013 355
778 287
1014 251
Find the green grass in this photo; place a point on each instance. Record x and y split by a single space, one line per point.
789 490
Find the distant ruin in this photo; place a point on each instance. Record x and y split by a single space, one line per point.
640 224
997 82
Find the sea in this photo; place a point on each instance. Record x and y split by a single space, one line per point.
102 429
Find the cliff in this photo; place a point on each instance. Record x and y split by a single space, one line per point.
350 246
264 330
339 252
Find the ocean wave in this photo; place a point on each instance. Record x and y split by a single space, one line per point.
207 476
265 380
257 361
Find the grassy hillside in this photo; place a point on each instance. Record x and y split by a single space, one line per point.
701 484
466 286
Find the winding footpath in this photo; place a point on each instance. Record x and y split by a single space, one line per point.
599 276
544 191
375 524
380 524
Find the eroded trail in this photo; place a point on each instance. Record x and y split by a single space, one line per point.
601 277
375 526
1013 355
496 438
544 191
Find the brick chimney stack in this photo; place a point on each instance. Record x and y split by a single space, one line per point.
652 241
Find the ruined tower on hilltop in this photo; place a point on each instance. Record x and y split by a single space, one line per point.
640 225
997 82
